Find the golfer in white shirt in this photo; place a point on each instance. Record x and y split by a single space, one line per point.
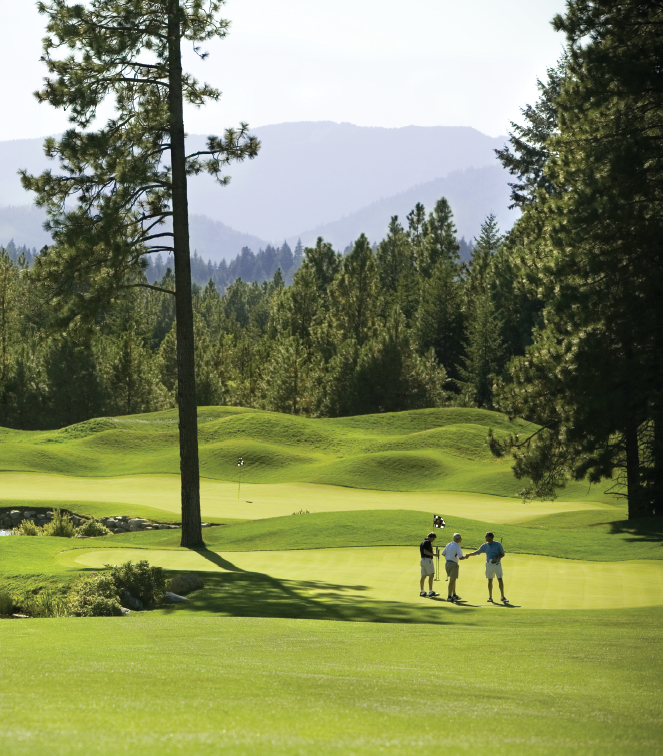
453 553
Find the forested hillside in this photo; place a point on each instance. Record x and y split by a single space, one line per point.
401 325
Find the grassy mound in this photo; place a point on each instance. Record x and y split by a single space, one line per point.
423 450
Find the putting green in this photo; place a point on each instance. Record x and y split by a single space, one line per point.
258 501
392 574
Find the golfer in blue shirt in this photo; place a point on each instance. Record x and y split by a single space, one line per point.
494 555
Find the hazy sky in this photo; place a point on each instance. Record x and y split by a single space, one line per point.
367 62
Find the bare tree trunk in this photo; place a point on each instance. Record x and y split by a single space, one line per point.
633 470
186 375
657 498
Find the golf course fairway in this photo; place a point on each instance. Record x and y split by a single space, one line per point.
309 635
219 500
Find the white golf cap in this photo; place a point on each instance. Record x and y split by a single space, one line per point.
457 536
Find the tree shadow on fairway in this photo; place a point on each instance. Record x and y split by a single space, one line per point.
646 529
240 593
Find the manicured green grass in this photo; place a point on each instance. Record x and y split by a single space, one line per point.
540 683
153 495
367 584
572 666
330 554
423 450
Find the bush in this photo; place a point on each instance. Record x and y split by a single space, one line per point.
28 528
60 526
6 603
43 604
148 584
94 596
93 529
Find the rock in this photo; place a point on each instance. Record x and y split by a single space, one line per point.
25 616
15 514
117 531
173 598
205 525
125 611
183 584
130 601
29 515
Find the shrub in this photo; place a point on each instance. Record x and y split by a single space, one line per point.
94 596
28 528
60 526
142 581
93 529
6 603
44 604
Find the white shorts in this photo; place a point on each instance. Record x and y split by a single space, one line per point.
427 567
493 570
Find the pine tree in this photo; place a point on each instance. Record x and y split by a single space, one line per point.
592 376
483 354
130 176
354 295
528 151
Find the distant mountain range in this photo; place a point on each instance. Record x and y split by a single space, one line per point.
310 179
472 194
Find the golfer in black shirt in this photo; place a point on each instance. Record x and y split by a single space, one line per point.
427 565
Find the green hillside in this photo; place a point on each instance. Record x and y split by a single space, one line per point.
423 450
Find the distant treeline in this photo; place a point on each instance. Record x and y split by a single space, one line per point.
248 265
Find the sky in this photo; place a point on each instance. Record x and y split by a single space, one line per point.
368 62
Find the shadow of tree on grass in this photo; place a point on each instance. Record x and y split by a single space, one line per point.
647 529
240 593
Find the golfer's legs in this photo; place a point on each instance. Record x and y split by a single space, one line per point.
422 581
452 586
490 587
500 582
430 582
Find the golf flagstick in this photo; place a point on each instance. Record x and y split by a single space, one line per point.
437 559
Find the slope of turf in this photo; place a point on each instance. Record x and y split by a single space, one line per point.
423 450
528 683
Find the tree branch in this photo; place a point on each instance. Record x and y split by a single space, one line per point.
149 286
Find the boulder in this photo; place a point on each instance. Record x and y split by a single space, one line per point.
15 514
173 598
29 515
128 600
183 584
125 611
